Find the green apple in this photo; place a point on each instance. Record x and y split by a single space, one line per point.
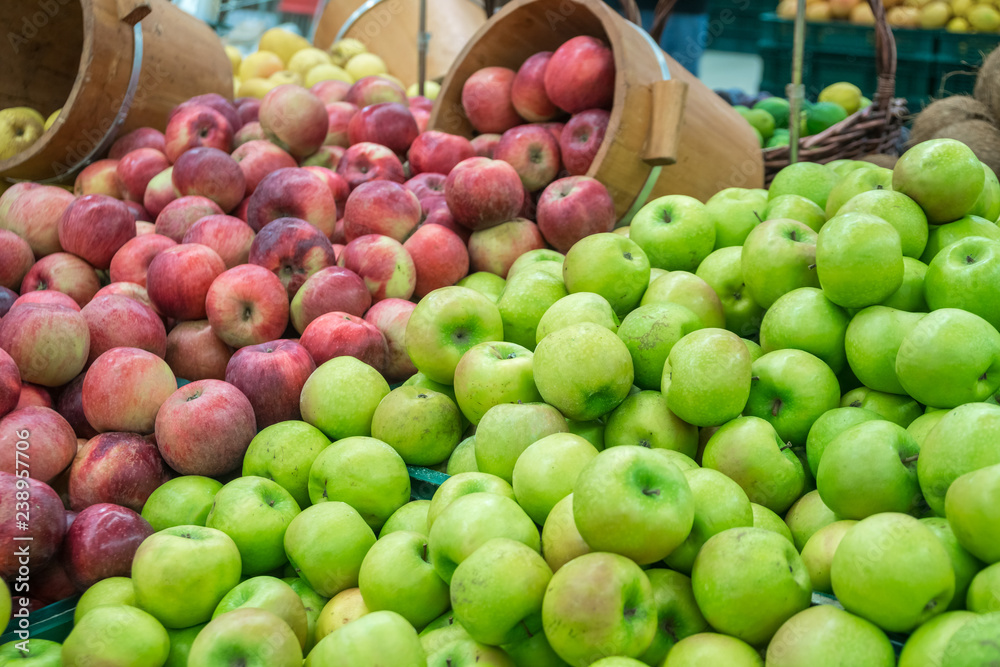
396 575
328 566
709 648
829 425
756 351
441 633
496 593
988 204
942 236
533 652
113 591
723 271
910 295
464 484
676 232
963 563
964 440
810 180
795 207
859 259
618 661
898 409
644 419
493 373
180 645
873 340
525 299
677 613
749 451
247 636
254 512
116 635
650 332
463 459
972 510
284 452
592 431
805 319
32 652
584 371
507 429
576 308
734 212
892 570
547 470
365 473
825 636
899 211
345 607
182 501
779 256
472 520
610 265
561 540
984 591
444 325
870 468
488 284
857 182
312 602
706 379
470 653
768 520
843 167
533 258
974 644
949 358
656 273
965 275
412 516
806 517
920 427
381 637
818 553
752 601
423 426
633 502
719 504
688 290
760 120
270 594
180 573
596 605
926 646
791 389
340 397
944 176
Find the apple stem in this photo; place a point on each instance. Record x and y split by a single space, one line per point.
788 445
910 459
757 215
812 267
525 625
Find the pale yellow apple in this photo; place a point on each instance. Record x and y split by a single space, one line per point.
50 121
282 42
431 90
365 64
390 77
306 59
327 73
346 49
255 87
341 609
236 86
285 76
235 57
260 65
19 128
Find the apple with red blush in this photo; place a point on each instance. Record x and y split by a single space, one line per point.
533 152
117 321
247 305
143 137
209 172
331 90
333 289
64 273
426 184
326 156
16 259
252 131
292 249
94 227
581 138
485 144
10 382
52 584
383 263
580 75
439 152
194 352
366 161
391 316
124 388
373 90
420 102
34 396
388 123
7 299
248 109
572 208
101 543
159 192
338 186
130 290
344 335
486 100
195 126
292 193
177 216
228 236
215 101
271 375
119 468
140 215
100 178
178 280
45 530
33 211
70 406
527 92
381 207
51 442
437 213
294 118
47 296
136 169
496 249
339 115
259 158
440 257
482 193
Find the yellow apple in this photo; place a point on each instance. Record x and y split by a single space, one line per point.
52 118
260 65
285 76
346 49
235 57
365 64
431 90
327 73
341 609
282 42
19 128
306 59
255 87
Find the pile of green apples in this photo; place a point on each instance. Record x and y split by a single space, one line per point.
660 448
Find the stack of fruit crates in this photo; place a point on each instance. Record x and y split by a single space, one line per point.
734 25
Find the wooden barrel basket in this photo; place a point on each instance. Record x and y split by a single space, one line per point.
668 132
391 29
111 65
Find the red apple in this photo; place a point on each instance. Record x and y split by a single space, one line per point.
581 75
271 375
388 123
294 119
195 126
94 227
70 406
420 102
337 249
205 427
140 215
533 152
485 144
118 321
144 137
581 139
555 129
33 396
339 238
257 159
241 210
345 335
33 212
439 152
132 260
119 468
527 92
16 259
333 289
383 263
177 217
248 109
391 316
572 208
99 178
338 186
327 156
137 168
426 184
209 172
486 100
49 296
331 91
159 193
215 101
422 117
194 352
228 236
440 257
51 443
528 209
339 115
293 250
64 273
373 90
7 299
178 280
370 162
438 213
40 537
130 290
101 543
252 131
10 382
124 388
293 193
482 193
495 249
381 207
247 305
52 584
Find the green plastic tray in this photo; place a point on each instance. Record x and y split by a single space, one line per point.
52 622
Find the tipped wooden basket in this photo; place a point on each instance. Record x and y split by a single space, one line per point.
874 129
668 132
111 65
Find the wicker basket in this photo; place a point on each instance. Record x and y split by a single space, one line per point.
874 129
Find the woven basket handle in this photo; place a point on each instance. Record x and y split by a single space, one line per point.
660 15
885 58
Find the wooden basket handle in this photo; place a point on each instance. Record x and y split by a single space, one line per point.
667 100
885 58
133 11
660 15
